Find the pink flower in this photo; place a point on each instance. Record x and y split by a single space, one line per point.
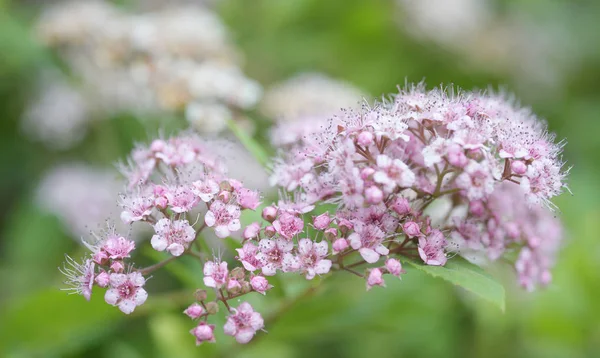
375 278
126 291
215 274
272 254
205 189
368 239
224 217
269 213
260 284
431 248
102 279
173 236
248 199
136 208
394 267
80 277
392 173
194 311
476 181
243 323
204 333
251 231
248 256
322 221
118 248
339 245
182 198
288 225
412 229
374 195
312 258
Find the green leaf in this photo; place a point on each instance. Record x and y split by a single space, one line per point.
253 147
468 276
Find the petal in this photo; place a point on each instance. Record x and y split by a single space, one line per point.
210 219
209 268
244 335
222 231
158 243
209 281
230 327
117 279
127 306
140 296
176 249
256 321
234 225
321 248
112 296
382 250
355 241
369 255
305 246
269 269
323 267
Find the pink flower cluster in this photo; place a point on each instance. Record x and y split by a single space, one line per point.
431 172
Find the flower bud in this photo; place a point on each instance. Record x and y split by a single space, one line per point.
366 173
200 295
331 233
204 333
101 257
476 208
412 229
269 213
194 311
374 195
394 267
365 138
224 196
246 287
321 222
345 226
234 286
401 206
212 307
375 278
238 273
339 245
251 231
102 279
157 145
518 167
270 231
259 284
456 156
226 186
117 266
161 202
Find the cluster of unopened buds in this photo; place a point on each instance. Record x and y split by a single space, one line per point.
422 177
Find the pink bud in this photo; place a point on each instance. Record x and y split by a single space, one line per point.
374 195
321 222
339 245
102 279
366 173
344 225
546 278
401 206
477 208
251 231
365 138
204 333
269 213
161 202
117 266
224 196
518 167
270 231
233 286
331 233
101 257
412 229
375 279
157 145
394 267
534 241
194 311
457 157
259 284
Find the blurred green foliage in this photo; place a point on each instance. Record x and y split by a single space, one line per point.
419 316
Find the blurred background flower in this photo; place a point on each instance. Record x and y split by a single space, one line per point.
82 81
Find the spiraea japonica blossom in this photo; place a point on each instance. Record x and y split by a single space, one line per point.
421 178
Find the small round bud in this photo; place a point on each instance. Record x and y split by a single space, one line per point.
374 195
224 196
117 266
518 167
238 273
212 307
246 287
321 222
200 295
345 226
194 311
412 229
394 267
331 233
477 208
339 245
161 202
366 173
401 206
157 145
365 138
269 213
234 286
259 284
102 279
270 231
226 186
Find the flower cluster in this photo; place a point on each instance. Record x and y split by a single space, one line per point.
175 59
474 156
422 177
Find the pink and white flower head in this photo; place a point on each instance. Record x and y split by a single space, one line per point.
288 225
80 277
375 278
194 311
136 207
368 240
248 199
392 173
182 198
224 218
243 323
216 274
431 248
260 284
206 189
248 255
312 258
126 291
204 333
173 236
275 254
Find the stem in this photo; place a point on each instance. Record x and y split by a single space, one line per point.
353 272
152 268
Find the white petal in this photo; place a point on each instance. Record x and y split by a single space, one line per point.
369 255
140 296
176 249
323 267
111 296
355 241
210 219
234 225
159 243
222 231
127 306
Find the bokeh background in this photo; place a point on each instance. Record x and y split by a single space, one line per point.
546 52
